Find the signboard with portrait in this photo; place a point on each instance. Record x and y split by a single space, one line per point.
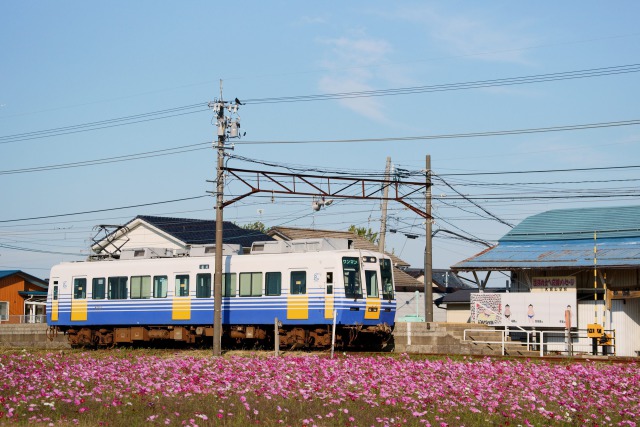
525 309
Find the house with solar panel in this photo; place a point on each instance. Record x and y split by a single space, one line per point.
154 236
574 281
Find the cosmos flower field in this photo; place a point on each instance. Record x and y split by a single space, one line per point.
133 388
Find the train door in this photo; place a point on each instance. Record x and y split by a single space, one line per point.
298 300
54 302
181 307
371 280
328 296
79 300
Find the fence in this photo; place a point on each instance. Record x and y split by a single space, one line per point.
17 319
551 342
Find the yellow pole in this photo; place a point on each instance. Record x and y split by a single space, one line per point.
595 278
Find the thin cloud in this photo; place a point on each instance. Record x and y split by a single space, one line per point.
476 36
355 64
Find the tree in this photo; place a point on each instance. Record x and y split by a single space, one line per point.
364 232
258 226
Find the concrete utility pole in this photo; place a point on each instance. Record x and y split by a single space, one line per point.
225 125
428 250
383 220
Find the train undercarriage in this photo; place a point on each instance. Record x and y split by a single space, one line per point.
318 337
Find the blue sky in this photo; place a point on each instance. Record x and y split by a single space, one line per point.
71 63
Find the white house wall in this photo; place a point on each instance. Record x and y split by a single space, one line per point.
145 237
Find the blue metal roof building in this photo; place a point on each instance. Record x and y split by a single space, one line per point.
566 238
598 247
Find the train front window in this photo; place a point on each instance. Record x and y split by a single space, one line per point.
160 286
386 278
203 285
98 288
351 272
182 285
117 287
55 292
80 288
298 283
371 278
140 287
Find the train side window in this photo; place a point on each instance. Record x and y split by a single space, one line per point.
250 284
229 284
117 287
298 283
140 287
160 286
182 285
273 286
386 278
203 285
80 288
98 288
329 282
371 278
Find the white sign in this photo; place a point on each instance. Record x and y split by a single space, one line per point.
525 309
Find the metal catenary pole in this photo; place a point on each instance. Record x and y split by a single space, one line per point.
383 219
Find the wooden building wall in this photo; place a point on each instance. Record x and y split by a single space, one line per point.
9 288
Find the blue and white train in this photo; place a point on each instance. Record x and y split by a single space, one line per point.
154 296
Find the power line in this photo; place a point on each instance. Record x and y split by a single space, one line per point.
104 124
203 106
510 81
541 171
477 205
102 210
458 135
117 159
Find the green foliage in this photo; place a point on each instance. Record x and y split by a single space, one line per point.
258 226
364 232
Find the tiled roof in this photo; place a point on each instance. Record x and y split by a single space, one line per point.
201 231
29 278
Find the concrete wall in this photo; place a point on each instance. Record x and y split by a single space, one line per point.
30 335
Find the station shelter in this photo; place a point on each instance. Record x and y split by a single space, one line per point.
575 270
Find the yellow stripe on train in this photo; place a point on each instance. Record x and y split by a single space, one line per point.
181 308
298 307
78 310
54 311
